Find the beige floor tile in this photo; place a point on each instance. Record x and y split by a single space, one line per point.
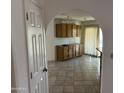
79 89
57 89
69 83
50 89
60 78
59 83
68 89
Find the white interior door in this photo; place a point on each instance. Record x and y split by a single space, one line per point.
91 40
36 50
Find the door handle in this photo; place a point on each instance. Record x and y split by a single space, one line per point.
45 69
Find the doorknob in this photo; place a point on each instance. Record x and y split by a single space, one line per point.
45 69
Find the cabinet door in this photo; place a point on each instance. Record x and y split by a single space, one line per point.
69 30
74 53
81 49
74 30
58 30
59 53
70 51
63 30
77 50
77 30
65 52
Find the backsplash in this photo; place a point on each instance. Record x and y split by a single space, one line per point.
63 41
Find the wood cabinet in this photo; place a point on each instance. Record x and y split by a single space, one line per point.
61 30
64 52
64 31
78 30
58 30
81 50
67 30
70 51
74 30
74 55
77 50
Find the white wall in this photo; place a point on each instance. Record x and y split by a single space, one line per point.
50 38
19 48
102 10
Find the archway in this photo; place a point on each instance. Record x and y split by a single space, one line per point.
69 17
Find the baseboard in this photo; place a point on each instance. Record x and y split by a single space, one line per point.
49 61
92 55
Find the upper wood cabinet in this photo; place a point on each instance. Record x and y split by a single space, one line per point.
64 30
74 30
67 30
58 30
61 30
78 30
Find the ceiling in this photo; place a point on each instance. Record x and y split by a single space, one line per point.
76 15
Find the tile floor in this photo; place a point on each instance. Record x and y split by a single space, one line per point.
78 75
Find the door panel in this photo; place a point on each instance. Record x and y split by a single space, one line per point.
32 19
36 51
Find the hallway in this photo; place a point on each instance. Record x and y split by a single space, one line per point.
78 75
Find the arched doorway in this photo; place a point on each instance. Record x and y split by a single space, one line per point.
73 79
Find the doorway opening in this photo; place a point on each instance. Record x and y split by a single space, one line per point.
74 43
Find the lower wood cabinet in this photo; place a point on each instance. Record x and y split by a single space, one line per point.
81 49
70 51
64 52
74 53
61 53
77 50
